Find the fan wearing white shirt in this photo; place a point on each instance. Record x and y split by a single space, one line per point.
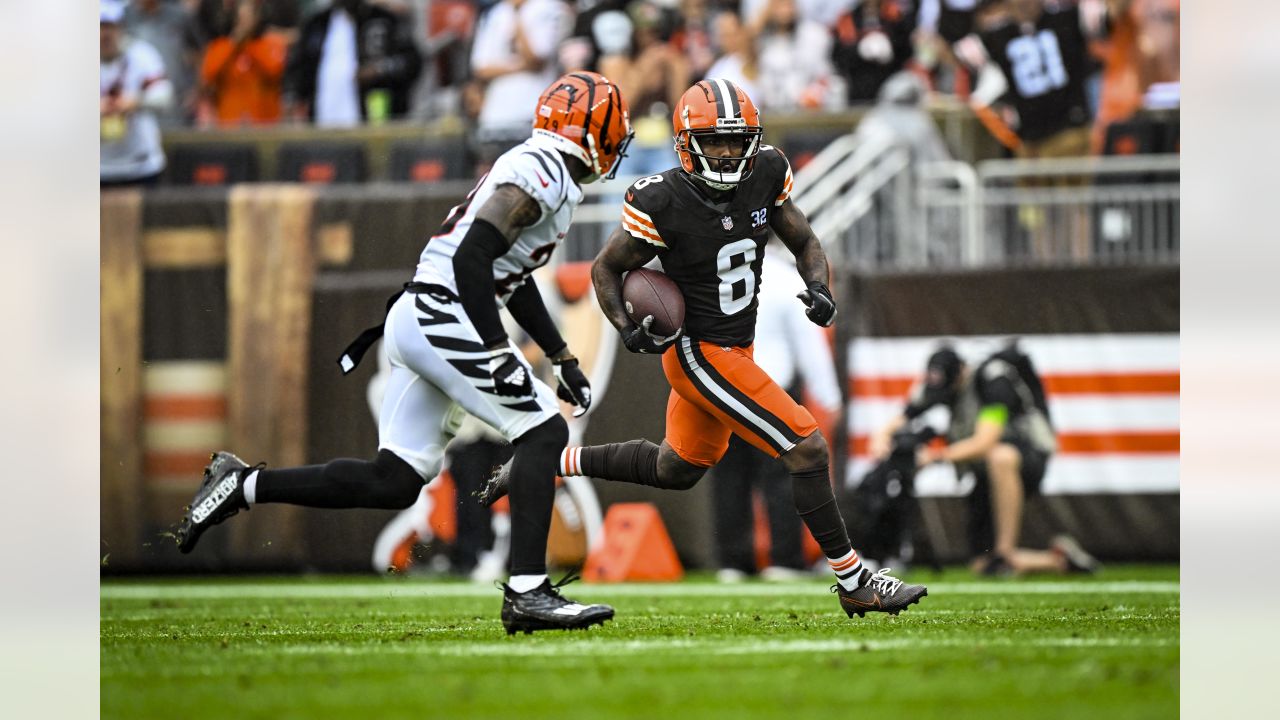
132 88
513 59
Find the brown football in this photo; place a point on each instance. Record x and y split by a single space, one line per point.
649 292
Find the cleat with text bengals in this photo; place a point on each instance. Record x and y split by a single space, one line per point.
879 592
220 496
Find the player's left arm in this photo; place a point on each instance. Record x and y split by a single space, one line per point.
792 227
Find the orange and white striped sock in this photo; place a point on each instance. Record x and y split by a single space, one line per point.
571 462
848 569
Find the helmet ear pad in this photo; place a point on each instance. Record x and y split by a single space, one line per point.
682 151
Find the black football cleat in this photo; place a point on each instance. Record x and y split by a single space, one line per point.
496 488
879 593
220 496
1078 559
543 608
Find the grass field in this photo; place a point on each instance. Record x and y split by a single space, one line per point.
338 647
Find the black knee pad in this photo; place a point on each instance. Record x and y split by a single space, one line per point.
399 484
807 455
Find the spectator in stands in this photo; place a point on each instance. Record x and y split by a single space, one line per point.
873 42
169 27
1141 51
132 90
794 350
599 28
822 12
215 18
512 61
353 61
1042 52
795 61
448 26
940 24
653 75
1000 431
738 64
693 37
242 72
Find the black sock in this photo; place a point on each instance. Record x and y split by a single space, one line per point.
533 491
634 461
816 505
387 482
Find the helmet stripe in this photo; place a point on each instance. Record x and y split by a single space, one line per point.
731 93
608 114
591 101
716 89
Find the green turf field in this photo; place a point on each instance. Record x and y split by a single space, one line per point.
323 647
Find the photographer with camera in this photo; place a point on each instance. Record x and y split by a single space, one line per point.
1001 432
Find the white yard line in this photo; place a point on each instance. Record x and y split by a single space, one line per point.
711 646
203 590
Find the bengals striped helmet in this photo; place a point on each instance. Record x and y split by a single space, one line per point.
587 116
717 108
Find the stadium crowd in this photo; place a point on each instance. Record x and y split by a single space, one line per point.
1032 68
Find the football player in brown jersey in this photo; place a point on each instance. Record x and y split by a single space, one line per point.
708 220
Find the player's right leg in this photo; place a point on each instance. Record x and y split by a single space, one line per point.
695 441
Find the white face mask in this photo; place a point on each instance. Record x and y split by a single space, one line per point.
722 179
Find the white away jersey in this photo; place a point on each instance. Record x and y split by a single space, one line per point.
535 167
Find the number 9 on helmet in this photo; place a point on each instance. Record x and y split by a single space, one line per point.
587 116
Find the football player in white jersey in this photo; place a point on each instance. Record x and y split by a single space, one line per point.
447 347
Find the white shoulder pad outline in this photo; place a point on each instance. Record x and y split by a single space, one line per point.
787 181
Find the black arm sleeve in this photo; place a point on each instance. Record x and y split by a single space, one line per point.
530 312
473 271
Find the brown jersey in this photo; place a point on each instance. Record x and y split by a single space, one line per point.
713 251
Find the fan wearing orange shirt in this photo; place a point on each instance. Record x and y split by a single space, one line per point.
241 73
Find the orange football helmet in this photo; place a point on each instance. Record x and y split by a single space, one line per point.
716 108
587 116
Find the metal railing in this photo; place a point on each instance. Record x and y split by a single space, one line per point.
1101 210
874 208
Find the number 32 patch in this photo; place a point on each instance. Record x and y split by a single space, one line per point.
759 217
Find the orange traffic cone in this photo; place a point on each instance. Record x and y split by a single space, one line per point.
636 547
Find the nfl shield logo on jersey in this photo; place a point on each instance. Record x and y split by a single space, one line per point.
727 222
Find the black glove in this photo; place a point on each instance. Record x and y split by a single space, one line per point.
639 339
821 307
510 379
573 386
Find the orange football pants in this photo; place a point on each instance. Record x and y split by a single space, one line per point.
716 391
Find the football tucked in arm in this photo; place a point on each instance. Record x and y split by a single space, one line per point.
649 292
